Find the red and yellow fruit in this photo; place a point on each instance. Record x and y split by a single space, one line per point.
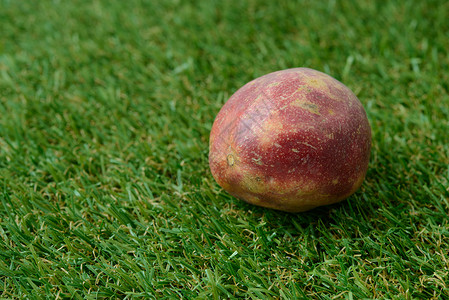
291 140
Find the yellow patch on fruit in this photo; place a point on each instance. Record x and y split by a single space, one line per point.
309 106
276 83
254 183
273 125
257 161
303 89
317 82
305 192
225 185
304 187
329 136
357 184
230 159
320 82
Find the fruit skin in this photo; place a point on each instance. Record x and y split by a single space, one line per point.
291 140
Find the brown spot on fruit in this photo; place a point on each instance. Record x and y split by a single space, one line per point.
291 140
230 159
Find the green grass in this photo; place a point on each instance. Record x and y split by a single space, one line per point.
105 113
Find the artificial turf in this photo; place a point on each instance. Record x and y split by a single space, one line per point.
105 114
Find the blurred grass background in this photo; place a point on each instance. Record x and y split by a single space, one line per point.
105 113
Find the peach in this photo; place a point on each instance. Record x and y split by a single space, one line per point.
291 140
